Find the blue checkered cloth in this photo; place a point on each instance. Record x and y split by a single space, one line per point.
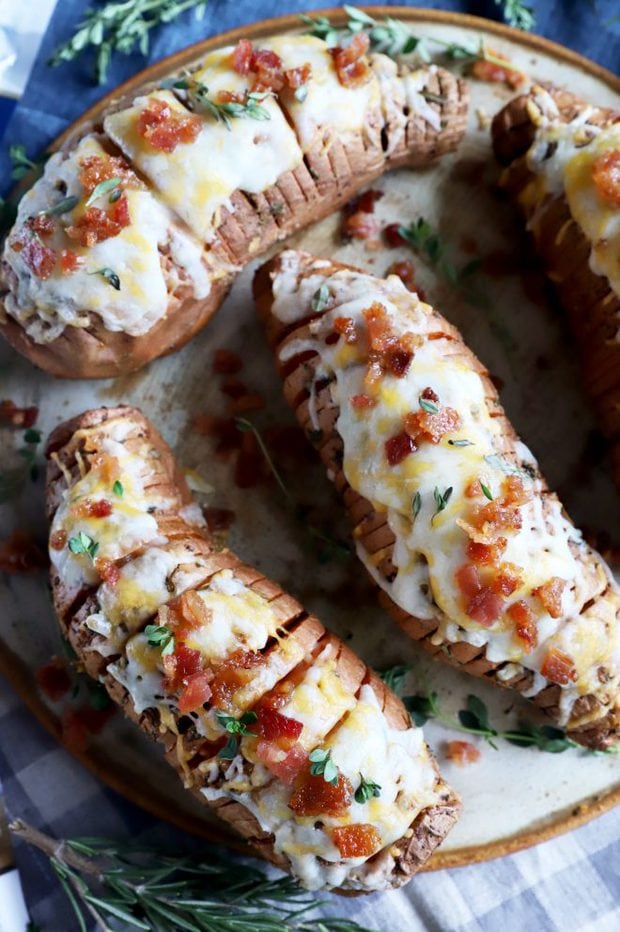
571 883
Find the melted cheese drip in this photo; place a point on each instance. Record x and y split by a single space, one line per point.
430 548
329 108
362 743
45 307
198 178
562 158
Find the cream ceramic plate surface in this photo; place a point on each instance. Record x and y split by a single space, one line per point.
512 797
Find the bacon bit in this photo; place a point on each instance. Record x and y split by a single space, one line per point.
95 508
314 796
359 225
393 236
362 401
462 753
95 226
525 624
267 68
507 580
388 353
229 97
500 514
490 71
351 66
485 607
359 840
406 272
285 765
20 554
486 554
77 724
226 362
108 570
58 540
364 203
297 77
40 259
424 425
54 679
120 211
218 519
18 417
164 129
180 665
468 579
187 613
242 56
196 691
233 673
399 447
274 726
41 224
97 168
558 667
606 176
345 326
550 594
474 489
69 261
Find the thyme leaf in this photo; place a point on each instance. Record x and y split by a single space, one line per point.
320 299
517 14
322 765
236 726
249 107
394 677
160 636
416 505
83 544
366 790
109 186
427 243
441 500
110 276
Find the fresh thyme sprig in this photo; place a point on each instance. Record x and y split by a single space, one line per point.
13 478
322 765
124 27
147 888
517 14
427 243
394 38
394 677
222 111
160 636
330 544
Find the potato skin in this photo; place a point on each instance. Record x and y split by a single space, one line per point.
592 308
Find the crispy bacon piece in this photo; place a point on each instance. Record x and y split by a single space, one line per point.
483 604
196 691
393 235
41 224
233 673
404 269
314 796
606 176
165 129
285 765
361 402
388 353
18 417
267 69
180 665
462 753
425 425
93 508
69 261
297 77
359 840
98 168
58 540
486 554
20 554
95 225
350 62
226 362
491 71
558 667
108 570
40 259
345 326
53 678
242 56
502 514
507 579
399 447
360 225
273 726
525 624
550 594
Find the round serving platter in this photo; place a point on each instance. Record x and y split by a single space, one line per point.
513 797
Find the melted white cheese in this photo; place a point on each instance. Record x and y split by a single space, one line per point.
431 547
45 307
198 178
562 157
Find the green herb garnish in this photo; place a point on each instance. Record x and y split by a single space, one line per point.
416 505
427 243
118 489
22 165
249 107
460 443
62 207
366 790
320 299
322 765
83 544
428 406
441 500
110 276
486 490
517 14
160 636
394 677
109 186
236 726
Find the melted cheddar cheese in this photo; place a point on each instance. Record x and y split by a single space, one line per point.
431 542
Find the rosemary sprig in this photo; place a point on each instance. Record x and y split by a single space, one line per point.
331 545
249 107
124 27
13 478
147 888
395 38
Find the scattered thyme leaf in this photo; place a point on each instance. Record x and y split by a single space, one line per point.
322 765
441 500
230 749
110 276
486 491
429 406
460 443
416 505
160 636
236 726
366 790
109 186
394 677
320 299
62 207
118 489
83 544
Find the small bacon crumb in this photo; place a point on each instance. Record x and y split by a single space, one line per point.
17 417
462 753
485 70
